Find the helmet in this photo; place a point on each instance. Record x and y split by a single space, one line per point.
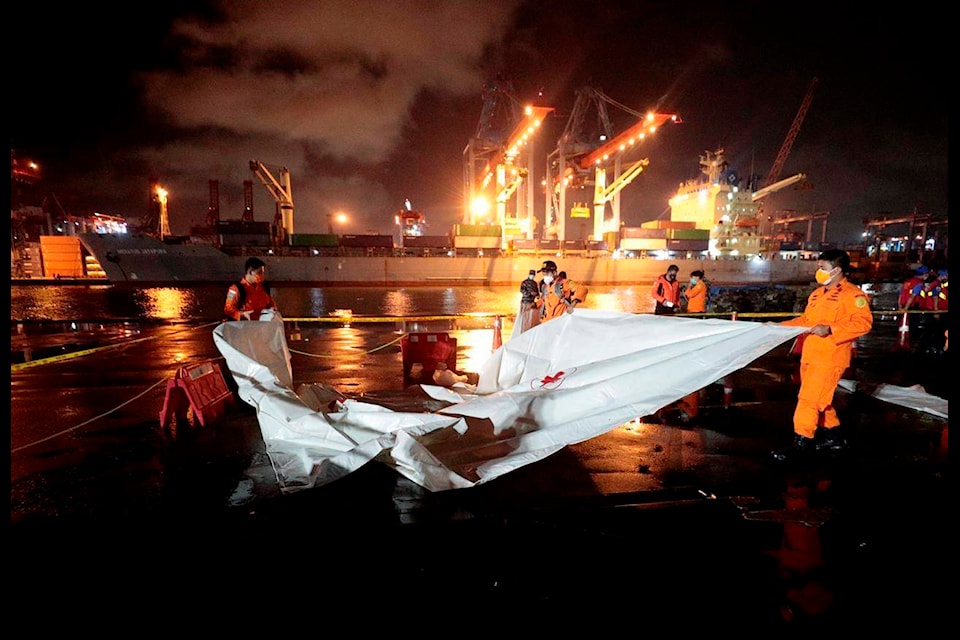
942 272
922 269
548 265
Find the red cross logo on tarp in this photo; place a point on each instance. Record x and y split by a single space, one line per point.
550 382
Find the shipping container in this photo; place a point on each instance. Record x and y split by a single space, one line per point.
668 224
367 241
477 242
314 240
643 244
427 242
687 245
485 230
688 234
640 232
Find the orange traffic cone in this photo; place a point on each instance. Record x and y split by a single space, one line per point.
497 337
727 392
903 340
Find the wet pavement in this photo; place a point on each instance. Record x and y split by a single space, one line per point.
672 520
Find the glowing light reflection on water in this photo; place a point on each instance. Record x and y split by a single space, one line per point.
105 303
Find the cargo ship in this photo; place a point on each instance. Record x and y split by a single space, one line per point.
714 226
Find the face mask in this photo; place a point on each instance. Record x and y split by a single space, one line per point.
548 278
531 277
671 276
259 278
823 277
693 280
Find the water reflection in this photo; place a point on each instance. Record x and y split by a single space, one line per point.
167 304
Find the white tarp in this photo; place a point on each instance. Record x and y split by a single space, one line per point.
915 397
562 382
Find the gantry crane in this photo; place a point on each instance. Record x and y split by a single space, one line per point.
583 157
281 192
505 173
918 228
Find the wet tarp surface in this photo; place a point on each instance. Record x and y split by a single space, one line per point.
562 382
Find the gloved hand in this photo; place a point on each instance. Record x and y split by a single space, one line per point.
569 306
667 303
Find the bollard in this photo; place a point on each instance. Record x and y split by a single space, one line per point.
727 393
734 316
497 336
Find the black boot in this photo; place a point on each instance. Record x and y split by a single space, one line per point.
801 448
830 441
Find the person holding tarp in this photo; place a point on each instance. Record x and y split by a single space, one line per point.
837 313
558 295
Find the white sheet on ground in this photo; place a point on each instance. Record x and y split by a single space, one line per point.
915 397
562 382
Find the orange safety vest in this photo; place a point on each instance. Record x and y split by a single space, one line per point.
254 297
663 290
907 288
552 297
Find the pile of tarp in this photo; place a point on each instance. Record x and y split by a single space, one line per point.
560 383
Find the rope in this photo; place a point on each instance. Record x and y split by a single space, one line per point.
86 422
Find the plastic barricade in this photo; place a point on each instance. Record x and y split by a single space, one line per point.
201 387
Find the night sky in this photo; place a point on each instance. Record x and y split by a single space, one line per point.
368 103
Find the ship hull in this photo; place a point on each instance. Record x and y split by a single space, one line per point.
144 261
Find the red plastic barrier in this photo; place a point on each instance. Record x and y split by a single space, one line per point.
200 387
427 349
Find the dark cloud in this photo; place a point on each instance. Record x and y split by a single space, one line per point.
368 103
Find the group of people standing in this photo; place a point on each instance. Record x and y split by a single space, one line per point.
924 295
667 292
553 296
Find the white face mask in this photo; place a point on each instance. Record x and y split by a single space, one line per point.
531 277
548 278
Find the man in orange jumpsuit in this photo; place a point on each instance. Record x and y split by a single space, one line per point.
696 293
247 298
558 295
837 313
666 292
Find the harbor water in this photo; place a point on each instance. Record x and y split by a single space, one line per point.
205 303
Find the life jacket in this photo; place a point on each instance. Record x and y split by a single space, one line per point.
907 288
927 296
242 291
558 290
942 295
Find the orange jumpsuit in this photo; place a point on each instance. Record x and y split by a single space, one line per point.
846 310
552 297
696 297
257 299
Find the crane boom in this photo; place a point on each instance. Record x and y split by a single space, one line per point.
791 136
280 190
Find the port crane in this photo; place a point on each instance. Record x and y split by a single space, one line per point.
494 171
281 192
787 218
581 158
772 183
918 228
